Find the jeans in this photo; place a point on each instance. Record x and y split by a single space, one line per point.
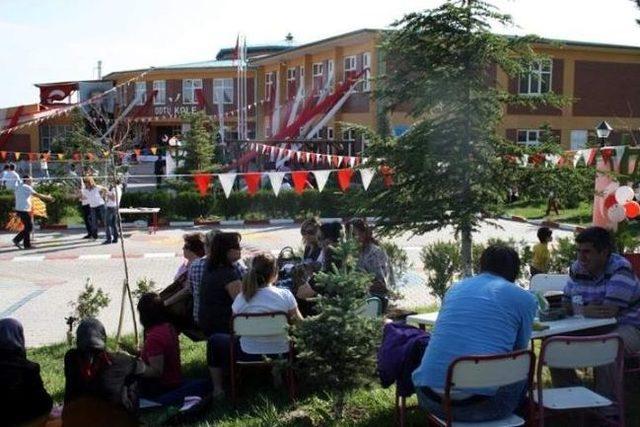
25 234
86 217
111 224
506 400
97 215
151 390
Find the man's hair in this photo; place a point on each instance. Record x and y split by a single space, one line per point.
500 260
26 177
544 233
12 166
600 238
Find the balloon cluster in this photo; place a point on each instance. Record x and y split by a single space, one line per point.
619 204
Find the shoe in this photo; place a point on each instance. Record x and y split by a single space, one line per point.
115 241
16 243
30 247
88 236
107 242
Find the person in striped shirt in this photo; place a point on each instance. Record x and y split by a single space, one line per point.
602 284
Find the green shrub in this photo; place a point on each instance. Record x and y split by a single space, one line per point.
563 255
441 262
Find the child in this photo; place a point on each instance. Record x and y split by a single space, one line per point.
541 258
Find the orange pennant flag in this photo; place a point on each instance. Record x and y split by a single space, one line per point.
76 156
202 183
344 178
299 180
253 181
33 157
3 154
90 157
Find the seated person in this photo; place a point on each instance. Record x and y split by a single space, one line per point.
258 296
161 373
309 231
373 259
481 315
23 399
92 396
602 284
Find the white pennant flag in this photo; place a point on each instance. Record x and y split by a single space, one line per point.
321 178
524 160
618 157
367 176
352 161
340 160
329 158
552 159
308 157
318 158
576 159
632 163
298 155
227 180
276 181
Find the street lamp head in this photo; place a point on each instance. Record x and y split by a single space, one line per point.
603 130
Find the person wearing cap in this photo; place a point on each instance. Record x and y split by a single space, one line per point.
23 398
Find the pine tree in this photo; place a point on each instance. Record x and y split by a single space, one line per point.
199 143
337 348
449 168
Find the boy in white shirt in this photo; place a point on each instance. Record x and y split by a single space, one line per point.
11 178
93 193
23 192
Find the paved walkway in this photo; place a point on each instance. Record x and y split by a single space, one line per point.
37 286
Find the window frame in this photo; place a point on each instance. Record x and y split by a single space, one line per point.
349 58
268 85
160 97
192 89
140 88
366 67
225 88
527 133
535 77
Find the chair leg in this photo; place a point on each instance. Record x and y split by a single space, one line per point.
291 382
234 386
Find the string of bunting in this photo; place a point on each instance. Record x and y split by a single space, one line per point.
46 115
332 160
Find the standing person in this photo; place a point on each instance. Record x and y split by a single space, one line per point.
541 257
23 192
44 165
602 284
5 171
85 208
114 193
158 170
96 204
23 398
486 314
552 204
11 178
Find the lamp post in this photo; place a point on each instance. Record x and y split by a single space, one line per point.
603 130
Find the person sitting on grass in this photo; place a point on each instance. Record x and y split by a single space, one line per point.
541 258
485 314
259 295
161 373
23 398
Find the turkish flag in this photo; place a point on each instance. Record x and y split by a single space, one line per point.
253 181
202 183
48 94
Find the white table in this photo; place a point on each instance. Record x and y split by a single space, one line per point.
154 215
556 327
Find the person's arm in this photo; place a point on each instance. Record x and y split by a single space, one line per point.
600 311
46 197
295 315
620 291
154 368
528 307
234 288
178 296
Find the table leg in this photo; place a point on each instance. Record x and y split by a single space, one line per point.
155 222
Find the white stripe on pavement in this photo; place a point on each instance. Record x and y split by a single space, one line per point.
160 255
29 258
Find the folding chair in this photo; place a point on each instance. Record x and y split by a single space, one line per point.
372 308
573 353
259 325
485 372
548 282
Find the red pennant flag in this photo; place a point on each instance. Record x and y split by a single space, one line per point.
387 175
607 153
344 178
253 181
336 161
299 180
47 156
90 157
3 154
76 157
202 183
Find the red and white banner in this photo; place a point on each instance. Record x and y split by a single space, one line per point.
49 94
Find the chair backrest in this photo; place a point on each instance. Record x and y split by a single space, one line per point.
371 308
490 371
580 352
548 282
260 324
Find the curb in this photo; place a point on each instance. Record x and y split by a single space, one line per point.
544 223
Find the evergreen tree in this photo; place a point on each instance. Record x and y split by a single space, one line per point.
199 143
79 140
337 347
449 168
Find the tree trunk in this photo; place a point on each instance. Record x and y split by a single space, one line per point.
466 248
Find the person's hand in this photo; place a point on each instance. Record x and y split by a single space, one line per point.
600 311
50 198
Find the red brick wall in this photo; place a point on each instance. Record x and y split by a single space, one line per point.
607 89
556 85
18 142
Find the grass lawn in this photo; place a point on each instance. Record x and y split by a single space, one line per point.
537 210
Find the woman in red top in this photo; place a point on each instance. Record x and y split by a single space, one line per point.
161 376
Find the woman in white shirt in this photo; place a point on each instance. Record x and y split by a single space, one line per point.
258 296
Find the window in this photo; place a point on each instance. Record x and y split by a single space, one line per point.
48 133
529 136
537 80
348 135
189 87
291 75
141 93
302 86
124 101
291 83
366 66
318 76
268 85
330 133
350 67
223 91
160 88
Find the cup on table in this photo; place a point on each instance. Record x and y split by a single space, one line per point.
577 305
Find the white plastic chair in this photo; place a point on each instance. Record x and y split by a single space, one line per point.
548 282
372 308
486 372
271 325
574 353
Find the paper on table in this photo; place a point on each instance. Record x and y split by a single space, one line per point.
190 402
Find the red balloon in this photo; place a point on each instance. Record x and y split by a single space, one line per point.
632 209
609 201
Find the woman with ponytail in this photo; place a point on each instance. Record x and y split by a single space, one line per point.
258 295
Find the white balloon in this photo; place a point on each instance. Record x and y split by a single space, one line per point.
624 194
617 213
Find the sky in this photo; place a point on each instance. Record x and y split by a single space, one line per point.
59 40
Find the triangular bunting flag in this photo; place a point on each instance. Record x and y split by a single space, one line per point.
329 159
318 158
387 175
154 150
299 180
575 159
105 153
589 155
337 161
321 178
344 178
202 181
618 157
265 149
308 157
137 151
352 161
367 175
227 179
60 156
606 153
524 160
90 156
17 155
253 181
298 155
276 181
632 163
3 155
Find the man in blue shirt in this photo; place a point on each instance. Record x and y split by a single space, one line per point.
482 315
